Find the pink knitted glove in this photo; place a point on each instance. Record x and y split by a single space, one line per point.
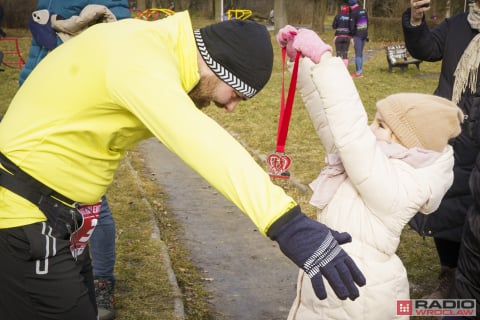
310 44
284 38
285 34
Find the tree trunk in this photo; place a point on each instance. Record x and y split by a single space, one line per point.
218 9
280 14
141 5
369 6
319 13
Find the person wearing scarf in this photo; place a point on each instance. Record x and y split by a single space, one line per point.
376 178
455 42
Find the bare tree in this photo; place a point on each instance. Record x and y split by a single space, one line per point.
369 6
447 9
141 5
280 14
319 13
218 9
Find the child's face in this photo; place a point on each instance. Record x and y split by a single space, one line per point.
381 130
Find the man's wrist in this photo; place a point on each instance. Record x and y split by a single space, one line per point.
410 20
415 23
282 221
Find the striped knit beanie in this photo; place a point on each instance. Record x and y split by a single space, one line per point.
421 120
239 52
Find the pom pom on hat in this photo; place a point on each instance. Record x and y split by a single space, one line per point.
239 52
421 120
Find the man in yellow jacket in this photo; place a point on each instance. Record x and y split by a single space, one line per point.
97 96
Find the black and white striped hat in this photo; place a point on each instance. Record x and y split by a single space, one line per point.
239 52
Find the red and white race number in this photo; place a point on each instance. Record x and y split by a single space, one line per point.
79 239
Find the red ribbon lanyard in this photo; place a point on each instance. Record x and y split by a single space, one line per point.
278 162
286 108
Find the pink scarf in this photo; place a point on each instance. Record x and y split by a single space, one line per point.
330 178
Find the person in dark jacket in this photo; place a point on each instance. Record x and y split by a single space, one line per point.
456 43
467 276
359 28
343 36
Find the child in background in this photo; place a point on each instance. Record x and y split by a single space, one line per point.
343 35
376 178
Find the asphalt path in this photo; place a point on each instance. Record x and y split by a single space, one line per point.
248 276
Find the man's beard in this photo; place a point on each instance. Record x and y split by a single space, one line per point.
202 93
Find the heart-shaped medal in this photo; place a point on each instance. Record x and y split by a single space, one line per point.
278 165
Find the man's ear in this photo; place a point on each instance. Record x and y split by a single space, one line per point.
203 69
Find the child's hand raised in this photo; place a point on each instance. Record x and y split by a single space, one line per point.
310 45
303 40
285 39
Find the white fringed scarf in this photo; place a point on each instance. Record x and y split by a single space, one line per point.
467 68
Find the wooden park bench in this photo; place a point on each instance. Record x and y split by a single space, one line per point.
398 56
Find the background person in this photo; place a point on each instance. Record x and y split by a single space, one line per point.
399 156
102 249
271 17
467 275
343 36
359 28
102 103
456 43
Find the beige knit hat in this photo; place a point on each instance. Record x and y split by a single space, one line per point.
421 120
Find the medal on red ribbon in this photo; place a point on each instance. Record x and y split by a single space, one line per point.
278 162
278 165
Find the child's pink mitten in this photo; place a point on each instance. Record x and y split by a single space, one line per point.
310 44
284 38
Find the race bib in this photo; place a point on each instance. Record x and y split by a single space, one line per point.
79 239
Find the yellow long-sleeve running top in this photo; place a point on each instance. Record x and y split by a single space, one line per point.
99 94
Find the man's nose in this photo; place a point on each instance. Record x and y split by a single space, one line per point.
230 106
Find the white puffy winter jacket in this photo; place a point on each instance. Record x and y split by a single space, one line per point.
373 204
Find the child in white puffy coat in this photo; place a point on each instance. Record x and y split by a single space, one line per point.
376 177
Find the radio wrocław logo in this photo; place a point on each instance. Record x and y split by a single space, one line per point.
436 307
